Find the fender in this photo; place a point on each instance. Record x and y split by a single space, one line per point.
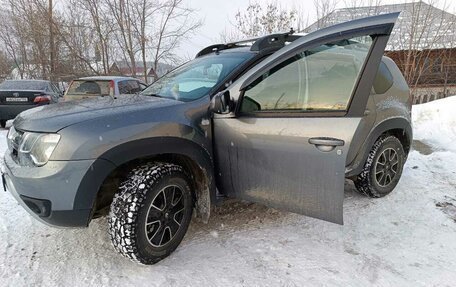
389 124
123 153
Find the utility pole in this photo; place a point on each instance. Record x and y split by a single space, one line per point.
51 40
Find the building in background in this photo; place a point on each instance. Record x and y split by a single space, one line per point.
123 68
423 45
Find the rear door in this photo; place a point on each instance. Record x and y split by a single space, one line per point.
286 144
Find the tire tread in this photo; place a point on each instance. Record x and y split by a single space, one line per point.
126 205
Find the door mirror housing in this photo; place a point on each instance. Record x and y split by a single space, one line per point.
221 103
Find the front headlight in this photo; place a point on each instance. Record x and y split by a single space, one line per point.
31 147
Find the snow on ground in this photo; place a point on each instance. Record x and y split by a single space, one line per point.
435 123
405 239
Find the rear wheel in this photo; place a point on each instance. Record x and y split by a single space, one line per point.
3 123
383 168
151 212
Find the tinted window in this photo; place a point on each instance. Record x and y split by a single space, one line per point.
123 87
129 87
134 87
24 85
320 79
384 80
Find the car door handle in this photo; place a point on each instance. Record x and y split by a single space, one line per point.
326 144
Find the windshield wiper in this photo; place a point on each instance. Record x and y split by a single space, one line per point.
152 95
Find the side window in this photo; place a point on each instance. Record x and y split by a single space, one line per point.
129 87
383 80
134 87
319 79
123 87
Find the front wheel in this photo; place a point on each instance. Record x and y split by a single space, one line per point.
383 168
151 212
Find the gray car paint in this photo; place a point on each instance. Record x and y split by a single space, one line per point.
392 110
267 157
113 131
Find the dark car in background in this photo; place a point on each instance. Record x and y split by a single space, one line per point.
20 95
103 86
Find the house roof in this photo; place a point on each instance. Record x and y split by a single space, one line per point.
433 28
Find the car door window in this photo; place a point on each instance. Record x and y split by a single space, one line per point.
123 87
134 87
319 79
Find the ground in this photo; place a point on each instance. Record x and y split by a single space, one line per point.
404 239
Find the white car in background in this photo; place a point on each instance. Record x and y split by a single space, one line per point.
102 86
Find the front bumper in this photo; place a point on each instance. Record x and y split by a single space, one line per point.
49 192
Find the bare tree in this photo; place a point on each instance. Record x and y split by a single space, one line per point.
77 32
323 9
13 43
261 19
175 25
124 17
50 42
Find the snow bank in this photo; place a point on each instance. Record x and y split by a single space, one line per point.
435 123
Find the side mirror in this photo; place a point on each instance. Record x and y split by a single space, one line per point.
221 103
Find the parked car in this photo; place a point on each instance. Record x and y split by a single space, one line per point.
103 86
282 122
20 95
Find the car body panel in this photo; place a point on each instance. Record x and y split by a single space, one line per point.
56 117
392 111
270 161
269 158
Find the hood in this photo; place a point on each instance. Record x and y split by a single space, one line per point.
52 118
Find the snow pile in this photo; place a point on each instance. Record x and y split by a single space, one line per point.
434 123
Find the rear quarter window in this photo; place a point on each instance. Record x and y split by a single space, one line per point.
383 80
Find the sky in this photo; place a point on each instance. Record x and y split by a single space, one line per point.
218 15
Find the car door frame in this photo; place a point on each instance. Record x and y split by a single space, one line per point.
379 27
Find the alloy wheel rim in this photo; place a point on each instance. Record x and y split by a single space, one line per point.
165 215
386 167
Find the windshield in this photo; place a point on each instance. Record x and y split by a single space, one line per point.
24 85
88 88
196 78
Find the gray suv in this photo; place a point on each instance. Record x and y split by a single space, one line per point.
280 120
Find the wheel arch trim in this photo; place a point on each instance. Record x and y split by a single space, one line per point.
143 148
388 124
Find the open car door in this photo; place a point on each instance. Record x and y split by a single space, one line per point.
285 144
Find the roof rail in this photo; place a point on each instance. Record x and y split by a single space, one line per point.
273 41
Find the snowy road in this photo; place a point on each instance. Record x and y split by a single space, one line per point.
405 239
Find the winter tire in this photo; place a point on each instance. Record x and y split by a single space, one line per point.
151 212
383 168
